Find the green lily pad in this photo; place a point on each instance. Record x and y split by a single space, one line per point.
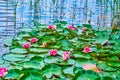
69 71
66 45
18 51
38 50
13 57
51 59
67 62
86 75
32 74
13 74
113 64
50 70
105 67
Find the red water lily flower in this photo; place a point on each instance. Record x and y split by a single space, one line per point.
26 45
87 49
52 27
3 72
66 55
53 52
33 40
72 27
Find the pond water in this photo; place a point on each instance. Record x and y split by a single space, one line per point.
17 13
97 12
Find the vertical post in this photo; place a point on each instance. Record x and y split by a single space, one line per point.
86 7
15 6
6 16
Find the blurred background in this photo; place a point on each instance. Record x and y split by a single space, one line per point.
19 13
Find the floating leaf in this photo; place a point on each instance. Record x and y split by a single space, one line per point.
18 50
66 45
113 64
13 57
32 75
50 59
79 55
50 70
105 67
86 75
69 71
13 74
38 50
67 62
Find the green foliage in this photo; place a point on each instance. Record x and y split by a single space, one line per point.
35 63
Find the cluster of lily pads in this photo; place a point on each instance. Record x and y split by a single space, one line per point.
62 52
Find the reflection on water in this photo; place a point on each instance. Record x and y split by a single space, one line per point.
96 12
15 13
101 13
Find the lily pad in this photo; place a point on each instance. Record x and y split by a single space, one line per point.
32 74
13 74
50 70
14 57
18 51
38 50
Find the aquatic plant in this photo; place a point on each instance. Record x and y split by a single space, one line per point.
61 53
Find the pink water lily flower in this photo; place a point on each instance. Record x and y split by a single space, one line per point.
3 72
84 29
88 66
92 67
72 27
52 27
66 55
33 40
26 45
87 49
53 52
